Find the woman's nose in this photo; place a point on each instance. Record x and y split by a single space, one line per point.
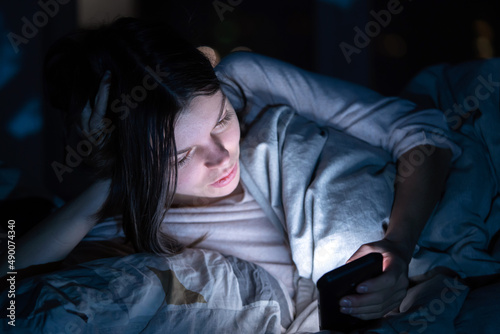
217 155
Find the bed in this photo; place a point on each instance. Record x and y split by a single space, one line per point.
201 291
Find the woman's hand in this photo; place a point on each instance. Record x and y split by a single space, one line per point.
380 295
92 119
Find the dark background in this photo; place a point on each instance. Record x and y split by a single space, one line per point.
307 34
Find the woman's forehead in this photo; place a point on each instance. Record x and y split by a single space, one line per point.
200 117
203 106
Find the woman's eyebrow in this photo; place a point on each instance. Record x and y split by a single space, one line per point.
223 104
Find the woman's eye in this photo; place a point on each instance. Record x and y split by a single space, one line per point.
223 122
184 160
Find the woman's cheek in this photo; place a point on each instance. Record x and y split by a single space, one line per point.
183 178
233 135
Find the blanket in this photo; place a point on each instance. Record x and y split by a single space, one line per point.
194 292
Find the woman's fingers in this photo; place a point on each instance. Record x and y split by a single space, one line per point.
101 102
376 298
374 313
372 304
91 119
86 113
387 280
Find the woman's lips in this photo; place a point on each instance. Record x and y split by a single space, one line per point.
224 181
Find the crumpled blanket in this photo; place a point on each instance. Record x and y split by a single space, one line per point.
193 292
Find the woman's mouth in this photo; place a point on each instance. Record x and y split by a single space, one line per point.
225 180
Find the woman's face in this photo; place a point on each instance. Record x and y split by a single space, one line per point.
207 135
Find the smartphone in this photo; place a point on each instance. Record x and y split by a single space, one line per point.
341 282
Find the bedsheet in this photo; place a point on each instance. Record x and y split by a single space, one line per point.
194 292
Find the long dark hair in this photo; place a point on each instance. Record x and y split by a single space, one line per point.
139 154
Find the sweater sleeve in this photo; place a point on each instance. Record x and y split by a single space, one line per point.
391 123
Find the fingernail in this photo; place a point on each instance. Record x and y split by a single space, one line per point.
362 288
345 310
345 302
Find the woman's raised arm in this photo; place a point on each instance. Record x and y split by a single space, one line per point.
55 237
394 124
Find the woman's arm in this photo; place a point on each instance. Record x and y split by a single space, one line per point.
394 124
416 195
53 239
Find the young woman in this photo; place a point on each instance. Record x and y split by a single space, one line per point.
168 156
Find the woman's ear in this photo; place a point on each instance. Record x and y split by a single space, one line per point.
211 54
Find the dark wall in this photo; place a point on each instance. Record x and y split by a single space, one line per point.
309 34
26 31
429 32
284 30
